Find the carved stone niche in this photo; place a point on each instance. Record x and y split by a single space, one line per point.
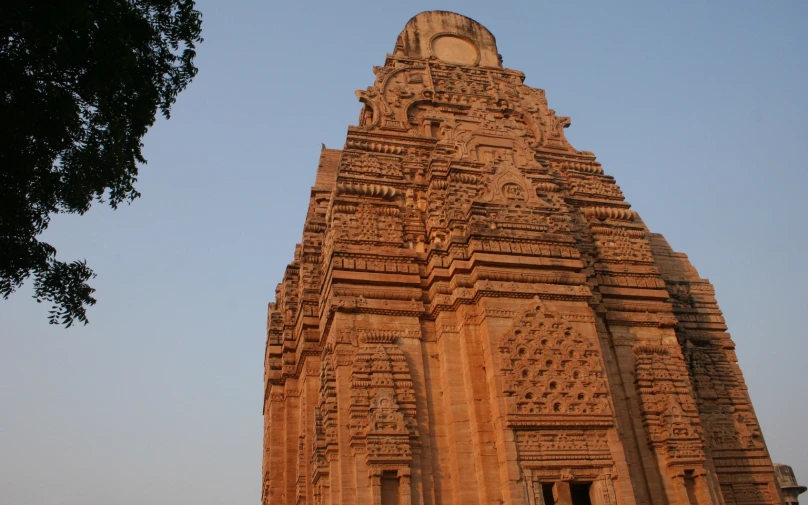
453 48
385 417
510 187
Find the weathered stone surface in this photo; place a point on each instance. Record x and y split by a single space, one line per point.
788 484
476 316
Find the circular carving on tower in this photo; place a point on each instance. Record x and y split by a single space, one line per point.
455 49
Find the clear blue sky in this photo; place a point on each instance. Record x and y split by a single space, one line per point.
697 108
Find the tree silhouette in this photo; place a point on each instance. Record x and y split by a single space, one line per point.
81 81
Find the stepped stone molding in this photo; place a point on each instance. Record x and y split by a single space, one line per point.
603 213
374 147
386 192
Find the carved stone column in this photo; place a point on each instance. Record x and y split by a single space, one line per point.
680 488
376 485
535 495
705 492
404 487
602 491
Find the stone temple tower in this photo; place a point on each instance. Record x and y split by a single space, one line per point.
475 316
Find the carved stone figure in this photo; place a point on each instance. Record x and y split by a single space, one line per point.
475 315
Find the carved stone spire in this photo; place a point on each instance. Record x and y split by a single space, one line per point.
475 314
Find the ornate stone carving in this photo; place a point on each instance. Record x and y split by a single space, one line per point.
551 370
383 405
669 410
377 190
375 147
614 213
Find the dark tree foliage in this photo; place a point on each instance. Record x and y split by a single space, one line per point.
81 81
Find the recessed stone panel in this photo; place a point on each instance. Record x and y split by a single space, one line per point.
454 49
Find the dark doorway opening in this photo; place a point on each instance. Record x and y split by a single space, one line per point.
547 491
580 494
